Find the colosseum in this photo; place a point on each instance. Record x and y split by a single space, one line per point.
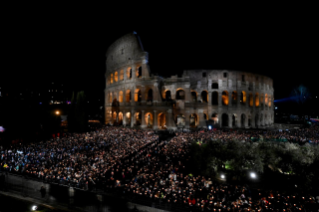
221 98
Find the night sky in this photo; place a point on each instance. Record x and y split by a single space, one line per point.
70 47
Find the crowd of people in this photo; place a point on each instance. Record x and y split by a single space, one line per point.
138 163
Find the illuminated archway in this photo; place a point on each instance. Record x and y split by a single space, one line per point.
110 97
215 118
225 98
121 96
266 99
114 117
261 99
129 73
149 120
257 100
161 118
243 97
116 76
167 95
122 75
138 95
120 118
138 71
193 120
251 100
149 96
128 117
234 97
269 101
111 78
138 118
128 96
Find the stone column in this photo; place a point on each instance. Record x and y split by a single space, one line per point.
187 121
124 118
132 118
155 124
230 120
143 119
202 121
170 122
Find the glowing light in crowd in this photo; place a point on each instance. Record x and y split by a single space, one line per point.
57 112
253 175
222 176
34 207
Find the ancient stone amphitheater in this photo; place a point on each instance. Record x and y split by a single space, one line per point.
200 98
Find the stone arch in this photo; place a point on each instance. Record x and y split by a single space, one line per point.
122 75
269 101
111 77
251 100
167 95
225 120
116 76
149 120
261 119
266 99
180 94
121 97
137 95
234 120
242 120
128 96
214 85
225 98
215 98
215 118
149 95
204 96
261 99
234 97
129 73
114 117
138 71
120 118
257 100
161 118
138 118
243 97
193 120
128 117
194 95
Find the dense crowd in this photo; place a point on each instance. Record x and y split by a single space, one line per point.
137 163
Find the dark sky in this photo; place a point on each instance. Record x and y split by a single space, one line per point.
70 46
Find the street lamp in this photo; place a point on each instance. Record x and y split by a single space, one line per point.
57 112
222 176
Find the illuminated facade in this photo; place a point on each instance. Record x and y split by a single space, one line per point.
134 97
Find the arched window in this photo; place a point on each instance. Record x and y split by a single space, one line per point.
121 75
129 73
215 98
128 96
215 85
225 98
204 96
266 99
257 100
194 96
138 95
180 94
243 120
116 77
261 99
121 96
243 97
167 95
234 97
269 101
251 100
111 78
138 72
